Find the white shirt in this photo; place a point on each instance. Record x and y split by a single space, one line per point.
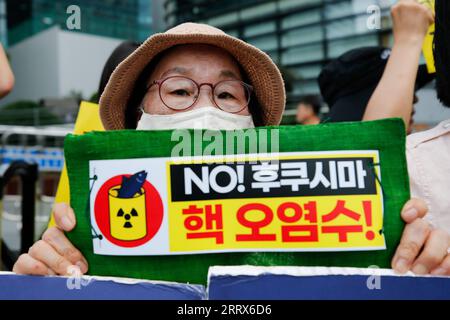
428 156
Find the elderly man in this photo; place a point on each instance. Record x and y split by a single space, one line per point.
192 76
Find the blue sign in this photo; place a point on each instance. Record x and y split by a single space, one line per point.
61 288
48 159
278 283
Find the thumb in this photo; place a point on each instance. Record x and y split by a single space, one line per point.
413 209
64 216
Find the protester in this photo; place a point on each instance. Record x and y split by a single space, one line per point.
428 153
117 56
308 110
348 82
6 74
191 74
410 25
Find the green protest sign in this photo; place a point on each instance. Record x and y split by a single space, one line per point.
166 205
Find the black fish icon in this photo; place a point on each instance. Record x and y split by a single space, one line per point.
132 185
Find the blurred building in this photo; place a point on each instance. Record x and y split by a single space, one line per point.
52 60
3 29
123 19
57 63
300 35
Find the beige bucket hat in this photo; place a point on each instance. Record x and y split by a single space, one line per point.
263 74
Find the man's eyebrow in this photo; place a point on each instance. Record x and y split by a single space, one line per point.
229 74
179 70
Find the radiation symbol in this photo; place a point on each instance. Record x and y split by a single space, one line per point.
127 216
128 210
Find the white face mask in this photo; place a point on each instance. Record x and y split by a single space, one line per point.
209 118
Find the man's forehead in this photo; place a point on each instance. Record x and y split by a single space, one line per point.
199 53
191 71
197 49
196 61
177 70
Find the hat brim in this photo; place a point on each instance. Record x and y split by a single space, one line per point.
263 74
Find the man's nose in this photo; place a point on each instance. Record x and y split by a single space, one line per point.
205 98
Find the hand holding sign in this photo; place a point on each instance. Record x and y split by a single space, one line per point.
417 235
422 249
54 254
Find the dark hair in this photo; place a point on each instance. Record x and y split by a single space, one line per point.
313 101
117 56
442 51
132 111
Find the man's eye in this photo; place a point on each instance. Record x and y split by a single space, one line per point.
180 92
225 95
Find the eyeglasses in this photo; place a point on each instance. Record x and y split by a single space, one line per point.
181 93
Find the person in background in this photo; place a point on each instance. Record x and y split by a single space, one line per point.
348 82
117 56
308 110
428 153
6 74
